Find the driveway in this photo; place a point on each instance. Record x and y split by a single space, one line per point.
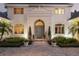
38 49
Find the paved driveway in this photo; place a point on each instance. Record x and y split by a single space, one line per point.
39 50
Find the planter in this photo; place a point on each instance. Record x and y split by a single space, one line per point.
49 42
54 44
30 42
26 43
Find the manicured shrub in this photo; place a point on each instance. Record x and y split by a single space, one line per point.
49 32
13 42
10 44
15 39
69 45
71 40
58 39
65 42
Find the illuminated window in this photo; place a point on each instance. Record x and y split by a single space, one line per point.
18 10
59 29
59 11
19 29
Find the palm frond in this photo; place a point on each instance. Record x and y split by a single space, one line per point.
6 31
72 29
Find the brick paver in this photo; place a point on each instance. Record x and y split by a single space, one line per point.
41 49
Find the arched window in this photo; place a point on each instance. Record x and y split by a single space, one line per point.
59 28
19 29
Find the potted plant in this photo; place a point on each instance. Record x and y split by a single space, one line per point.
26 42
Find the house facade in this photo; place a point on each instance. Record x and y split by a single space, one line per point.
39 17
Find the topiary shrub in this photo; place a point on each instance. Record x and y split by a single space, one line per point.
49 33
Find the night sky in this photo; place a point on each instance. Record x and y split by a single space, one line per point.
75 7
2 7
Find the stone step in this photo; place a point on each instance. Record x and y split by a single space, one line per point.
40 43
40 40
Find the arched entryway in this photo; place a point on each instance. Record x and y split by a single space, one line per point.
39 29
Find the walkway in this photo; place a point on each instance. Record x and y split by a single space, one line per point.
39 49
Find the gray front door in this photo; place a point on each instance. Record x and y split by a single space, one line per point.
39 31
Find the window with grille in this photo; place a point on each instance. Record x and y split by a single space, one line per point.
18 10
59 11
59 28
19 29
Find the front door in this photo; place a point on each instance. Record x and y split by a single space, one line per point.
39 32
39 29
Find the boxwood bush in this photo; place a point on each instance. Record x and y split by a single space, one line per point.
65 41
13 42
15 39
59 39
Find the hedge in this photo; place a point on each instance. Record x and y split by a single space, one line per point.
13 42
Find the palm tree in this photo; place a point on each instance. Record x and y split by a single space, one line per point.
5 27
74 28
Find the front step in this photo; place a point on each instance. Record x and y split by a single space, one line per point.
40 42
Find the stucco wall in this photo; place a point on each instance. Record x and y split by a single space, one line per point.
46 14
61 19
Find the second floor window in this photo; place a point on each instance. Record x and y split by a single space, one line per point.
18 10
59 11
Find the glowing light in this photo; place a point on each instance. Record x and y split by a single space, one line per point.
26 36
0 19
52 37
68 35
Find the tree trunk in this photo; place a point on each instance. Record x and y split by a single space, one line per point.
2 34
76 36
